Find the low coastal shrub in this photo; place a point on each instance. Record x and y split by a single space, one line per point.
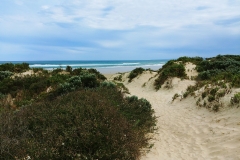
18 68
30 87
69 69
194 60
211 98
236 98
108 84
170 69
134 73
85 124
5 74
118 78
221 67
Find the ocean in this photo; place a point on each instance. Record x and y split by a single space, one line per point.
102 66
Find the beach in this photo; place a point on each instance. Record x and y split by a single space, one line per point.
186 131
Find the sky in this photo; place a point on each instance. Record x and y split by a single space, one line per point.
117 29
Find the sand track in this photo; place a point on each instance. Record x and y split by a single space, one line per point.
184 130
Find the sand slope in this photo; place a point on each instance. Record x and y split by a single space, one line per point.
184 130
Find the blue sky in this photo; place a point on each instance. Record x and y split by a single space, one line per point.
117 30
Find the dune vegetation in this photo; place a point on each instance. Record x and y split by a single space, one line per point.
216 78
69 114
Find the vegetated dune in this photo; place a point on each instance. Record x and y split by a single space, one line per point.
186 131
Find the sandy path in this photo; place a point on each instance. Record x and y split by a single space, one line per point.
185 131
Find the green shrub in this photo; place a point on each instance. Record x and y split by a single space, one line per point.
69 69
211 98
194 60
5 74
118 78
134 73
236 98
132 98
204 94
77 71
216 107
97 73
14 67
107 84
175 96
221 93
185 94
88 124
236 80
57 71
35 70
75 81
123 87
221 67
214 91
89 80
170 69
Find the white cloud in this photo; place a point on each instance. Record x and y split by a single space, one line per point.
106 25
110 44
45 7
171 14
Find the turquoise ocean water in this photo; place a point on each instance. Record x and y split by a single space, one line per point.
102 66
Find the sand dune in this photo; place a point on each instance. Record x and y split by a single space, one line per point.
186 131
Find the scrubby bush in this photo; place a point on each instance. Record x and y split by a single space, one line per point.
118 78
19 67
235 99
89 80
221 93
75 81
214 91
97 73
211 98
204 94
216 107
108 84
77 71
57 71
69 69
5 74
221 67
134 73
88 124
194 60
132 98
170 69
35 70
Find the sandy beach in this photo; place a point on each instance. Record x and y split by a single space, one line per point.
186 131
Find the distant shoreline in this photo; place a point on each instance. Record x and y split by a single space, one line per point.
105 67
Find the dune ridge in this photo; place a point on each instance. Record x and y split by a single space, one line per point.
186 131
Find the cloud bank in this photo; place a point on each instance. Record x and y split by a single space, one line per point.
104 29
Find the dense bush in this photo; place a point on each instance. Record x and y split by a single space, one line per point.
28 87
57 71
89 80
81 71
222 67
69 69
170 69
235 99
194 60
5 74
108 84
87 124
97 73
14 67
134 73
